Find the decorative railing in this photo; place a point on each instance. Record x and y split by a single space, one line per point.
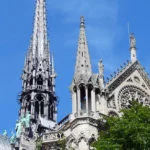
38 87
52 137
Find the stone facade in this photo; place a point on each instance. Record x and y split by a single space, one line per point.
92 98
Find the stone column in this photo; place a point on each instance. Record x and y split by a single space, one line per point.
32 109
33 86
74 102
93 100
32 105
46 109
87 100
103 104
79 100
39 108
55 112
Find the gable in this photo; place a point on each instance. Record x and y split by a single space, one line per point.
131 84
131 73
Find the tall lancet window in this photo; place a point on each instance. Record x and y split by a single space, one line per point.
83 98
39 80
89 97
36 109
31 80
42 108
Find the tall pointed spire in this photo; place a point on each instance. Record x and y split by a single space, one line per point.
39 44
83 65
37 75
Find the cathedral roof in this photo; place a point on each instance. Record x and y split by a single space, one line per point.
122 74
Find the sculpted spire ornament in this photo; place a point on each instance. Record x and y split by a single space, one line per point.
133 48
132 41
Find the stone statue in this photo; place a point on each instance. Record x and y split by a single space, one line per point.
18 128
132 41
13 138
5 133
27 120
23 121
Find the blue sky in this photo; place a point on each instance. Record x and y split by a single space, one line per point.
107 34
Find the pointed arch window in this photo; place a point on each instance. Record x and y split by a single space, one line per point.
31 80
40 80
83 98
36 109
42 108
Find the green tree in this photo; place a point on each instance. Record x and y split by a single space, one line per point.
129 132
39 144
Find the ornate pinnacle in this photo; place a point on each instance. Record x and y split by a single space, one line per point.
101 68
132 41
82 24
83 65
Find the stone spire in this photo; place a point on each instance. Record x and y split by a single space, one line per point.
38 82
39 48
133 47
83 65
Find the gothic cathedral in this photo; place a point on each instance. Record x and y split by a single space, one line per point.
92 97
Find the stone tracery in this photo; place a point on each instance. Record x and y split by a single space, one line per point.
130 93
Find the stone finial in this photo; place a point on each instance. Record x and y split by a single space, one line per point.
132 41
101 68
133 48
82 24
101 73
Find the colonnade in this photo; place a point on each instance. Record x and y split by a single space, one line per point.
83 95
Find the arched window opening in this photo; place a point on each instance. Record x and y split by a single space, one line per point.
26 106
49 83
89 97
31 81
42 108
28 98
29 107
40 80
50 110
83 98
36 109
97 98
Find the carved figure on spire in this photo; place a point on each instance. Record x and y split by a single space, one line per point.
132 41
18 129
133 47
